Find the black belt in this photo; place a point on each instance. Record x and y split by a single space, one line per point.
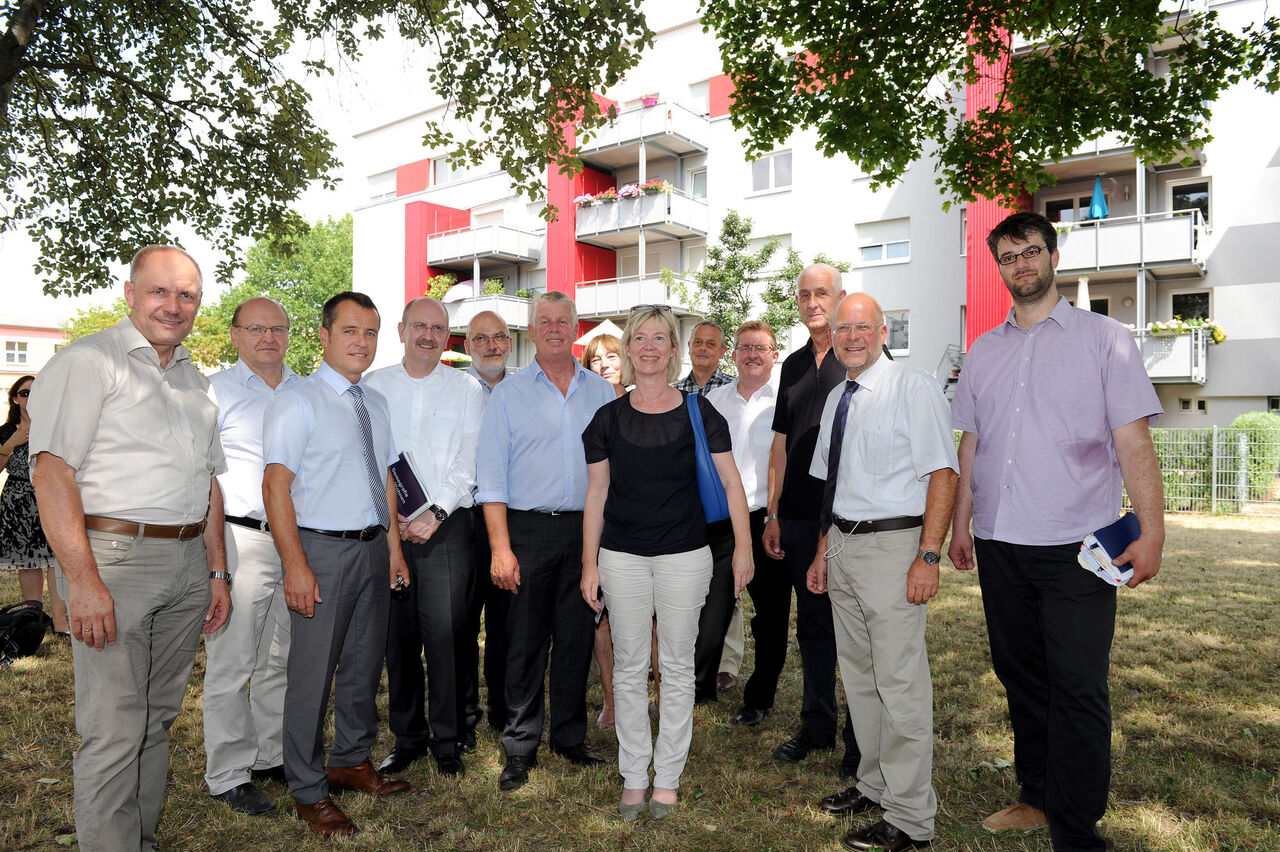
366 534
903 522
554 514
251 523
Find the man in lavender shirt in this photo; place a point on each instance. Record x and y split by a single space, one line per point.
1054 405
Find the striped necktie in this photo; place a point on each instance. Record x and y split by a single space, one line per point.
377 484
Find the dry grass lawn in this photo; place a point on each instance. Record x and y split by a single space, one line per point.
1196 697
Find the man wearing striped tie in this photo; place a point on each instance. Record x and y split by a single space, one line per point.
329 498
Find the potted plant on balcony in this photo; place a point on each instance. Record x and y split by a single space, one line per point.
492 287
631 190
655 186
607 196
524 293
585 200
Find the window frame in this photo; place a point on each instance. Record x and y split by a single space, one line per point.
773 186
16 353
1174 183
899 352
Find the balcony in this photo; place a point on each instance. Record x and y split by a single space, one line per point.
1166 244
513 310
667 130
615 297
1174 358
492 245
664 216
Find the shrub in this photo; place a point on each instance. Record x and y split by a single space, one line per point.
492 287
1262 430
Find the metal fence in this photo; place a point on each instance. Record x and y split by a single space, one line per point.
1221 469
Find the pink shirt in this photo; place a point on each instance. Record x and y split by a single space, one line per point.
1043 403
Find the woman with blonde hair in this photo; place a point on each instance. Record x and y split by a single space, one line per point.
645 545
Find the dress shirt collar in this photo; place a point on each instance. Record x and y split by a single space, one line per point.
334 379
243 375
540 374
134 341
762 392
874 376
1061 314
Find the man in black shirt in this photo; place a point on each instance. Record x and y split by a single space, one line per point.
795 500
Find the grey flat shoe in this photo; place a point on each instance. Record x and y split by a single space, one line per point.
660 810
631 813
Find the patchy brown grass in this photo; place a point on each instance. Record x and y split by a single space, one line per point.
1196 696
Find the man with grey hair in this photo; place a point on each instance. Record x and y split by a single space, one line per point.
488 343
532 482
706 348
435 419
124 448
243 729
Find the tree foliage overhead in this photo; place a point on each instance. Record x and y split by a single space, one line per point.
120 121
883 81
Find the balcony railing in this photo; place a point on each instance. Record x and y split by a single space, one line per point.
492 242
612 297
674 129
1154 240
673 215
513 310
1179 357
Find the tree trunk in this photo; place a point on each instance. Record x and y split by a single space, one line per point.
14 44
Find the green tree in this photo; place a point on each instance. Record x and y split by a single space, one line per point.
300 272
724 283
119 121
97 318
878 80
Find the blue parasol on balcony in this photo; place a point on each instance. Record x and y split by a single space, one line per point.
1098 203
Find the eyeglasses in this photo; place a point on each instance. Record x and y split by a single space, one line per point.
859 327
422 326
754 347
483 339
259 330
661 308
1029 253
24 393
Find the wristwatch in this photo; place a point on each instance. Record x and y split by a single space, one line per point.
768 518
930 557
440 514
220 575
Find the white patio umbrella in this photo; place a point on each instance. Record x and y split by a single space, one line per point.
1082 293
606 327
458 292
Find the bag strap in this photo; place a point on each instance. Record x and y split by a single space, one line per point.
695 415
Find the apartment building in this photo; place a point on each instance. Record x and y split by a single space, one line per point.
1197 238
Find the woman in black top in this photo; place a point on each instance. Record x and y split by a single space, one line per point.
23 546
644 543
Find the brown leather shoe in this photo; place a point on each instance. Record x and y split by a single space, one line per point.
1019 817
365 779
326 819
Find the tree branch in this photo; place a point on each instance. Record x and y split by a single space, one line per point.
13 46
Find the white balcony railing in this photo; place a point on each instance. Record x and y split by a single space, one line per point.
666 119
675 214
611 297
486 241
1181 357
1156 239
513 310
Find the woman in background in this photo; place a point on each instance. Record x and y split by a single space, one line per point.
23 546
645 545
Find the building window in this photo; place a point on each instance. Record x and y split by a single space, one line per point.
15 352
447 172
899 341
884 242
1198 405
700 97
1190 195
1191 305
771 172
964 231
1073 209
698 183
1273 404
382 186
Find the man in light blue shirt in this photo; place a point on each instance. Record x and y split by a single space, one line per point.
330 501
532 480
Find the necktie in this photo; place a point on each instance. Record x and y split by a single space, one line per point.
833 455
377 484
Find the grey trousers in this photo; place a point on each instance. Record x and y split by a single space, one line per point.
243 730
340 648
885 667
129 693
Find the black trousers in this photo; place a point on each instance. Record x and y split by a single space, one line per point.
493 603
435 618
548 614
770 590
717 612
1050 624
816 635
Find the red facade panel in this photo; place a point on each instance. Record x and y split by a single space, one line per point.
421 220
413 177
720 94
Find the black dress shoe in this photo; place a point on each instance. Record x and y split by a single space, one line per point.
579 756
467 742
849 765
400 759
270 773
516 773
798 747
882 835
751 716
450 764
247 799
847 803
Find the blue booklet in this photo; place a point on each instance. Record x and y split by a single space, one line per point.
1103 545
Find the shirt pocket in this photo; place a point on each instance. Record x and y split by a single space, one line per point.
876 450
